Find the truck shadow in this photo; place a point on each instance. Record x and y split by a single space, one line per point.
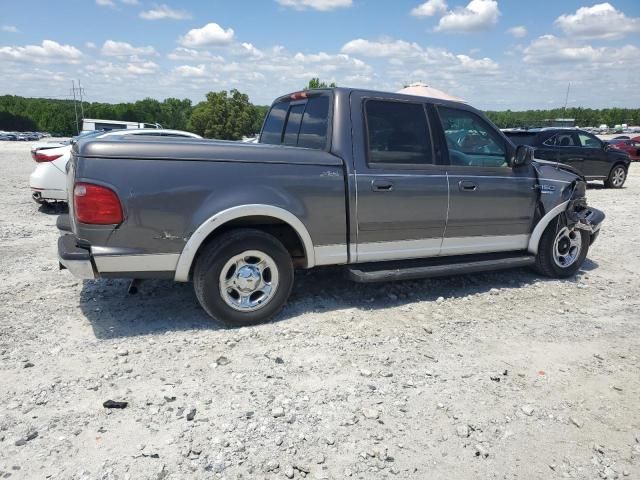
165 306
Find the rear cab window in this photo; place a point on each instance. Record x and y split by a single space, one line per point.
299 121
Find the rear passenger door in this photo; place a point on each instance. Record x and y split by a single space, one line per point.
566 148
491 205
401 189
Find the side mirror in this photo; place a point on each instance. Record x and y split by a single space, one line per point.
523 156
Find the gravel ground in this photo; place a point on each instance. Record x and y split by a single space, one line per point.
500 375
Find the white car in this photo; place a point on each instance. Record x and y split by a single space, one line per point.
48 181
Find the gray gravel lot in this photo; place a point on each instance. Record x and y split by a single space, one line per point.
501 375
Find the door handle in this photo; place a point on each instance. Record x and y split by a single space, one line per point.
382 186
467 186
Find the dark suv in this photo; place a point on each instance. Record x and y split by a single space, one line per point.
592 157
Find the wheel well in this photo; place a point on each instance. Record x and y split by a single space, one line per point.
281 230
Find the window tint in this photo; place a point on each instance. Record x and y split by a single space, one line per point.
294 118
313 131
471 140
589 141
398 133
303 124
562 140
272 131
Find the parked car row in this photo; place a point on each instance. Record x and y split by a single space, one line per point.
48 180
586 153
391 186
22 136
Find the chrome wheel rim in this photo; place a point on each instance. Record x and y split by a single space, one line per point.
248 281
618 177
567 247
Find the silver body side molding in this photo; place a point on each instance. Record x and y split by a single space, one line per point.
135 263
331 254
534 241
193 244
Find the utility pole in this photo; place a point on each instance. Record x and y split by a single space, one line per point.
566 98
75 107
81 91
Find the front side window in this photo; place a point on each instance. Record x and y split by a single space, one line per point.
471 141
397 133
589 141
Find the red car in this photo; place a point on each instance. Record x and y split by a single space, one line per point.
631 146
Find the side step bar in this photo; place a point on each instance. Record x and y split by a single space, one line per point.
436 267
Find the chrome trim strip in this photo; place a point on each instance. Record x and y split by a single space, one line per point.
202 232
331 254
398 250
471 245
136 263
542 225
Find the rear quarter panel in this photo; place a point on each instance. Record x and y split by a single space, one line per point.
165 201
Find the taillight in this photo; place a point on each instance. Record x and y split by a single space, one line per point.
43 157
96 205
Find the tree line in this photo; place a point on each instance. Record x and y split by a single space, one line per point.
229 115
224 115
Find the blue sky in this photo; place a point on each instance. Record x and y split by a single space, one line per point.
496 54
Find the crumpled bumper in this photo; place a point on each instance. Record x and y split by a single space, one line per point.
588 219
73 258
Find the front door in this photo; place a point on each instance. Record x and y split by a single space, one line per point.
596 162
563 147
491 204
401 190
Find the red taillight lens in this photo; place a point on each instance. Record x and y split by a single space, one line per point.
43 157
96 205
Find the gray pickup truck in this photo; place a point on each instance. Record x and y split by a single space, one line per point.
391 186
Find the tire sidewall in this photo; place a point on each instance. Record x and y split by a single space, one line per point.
207 278
610 180
545 261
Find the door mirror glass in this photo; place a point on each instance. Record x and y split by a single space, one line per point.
523 156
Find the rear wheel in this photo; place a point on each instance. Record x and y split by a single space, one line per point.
243 277
617 177
562 249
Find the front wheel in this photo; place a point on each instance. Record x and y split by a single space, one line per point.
617 177
243 277
562 249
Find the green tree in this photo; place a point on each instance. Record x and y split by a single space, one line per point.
317 83
224 115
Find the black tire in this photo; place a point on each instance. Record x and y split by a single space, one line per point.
617 177
545 262
214 257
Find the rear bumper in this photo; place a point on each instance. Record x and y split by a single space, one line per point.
73 258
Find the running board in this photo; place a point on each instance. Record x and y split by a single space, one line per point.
437 267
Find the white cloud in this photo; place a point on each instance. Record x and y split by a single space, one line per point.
549 49
476 16
162 12
210 34
518 32
191 71
181 54
130 2
599 21
384 48
10 29
430 8
90 45
105 3
48 52
322 5
143 68
112 48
